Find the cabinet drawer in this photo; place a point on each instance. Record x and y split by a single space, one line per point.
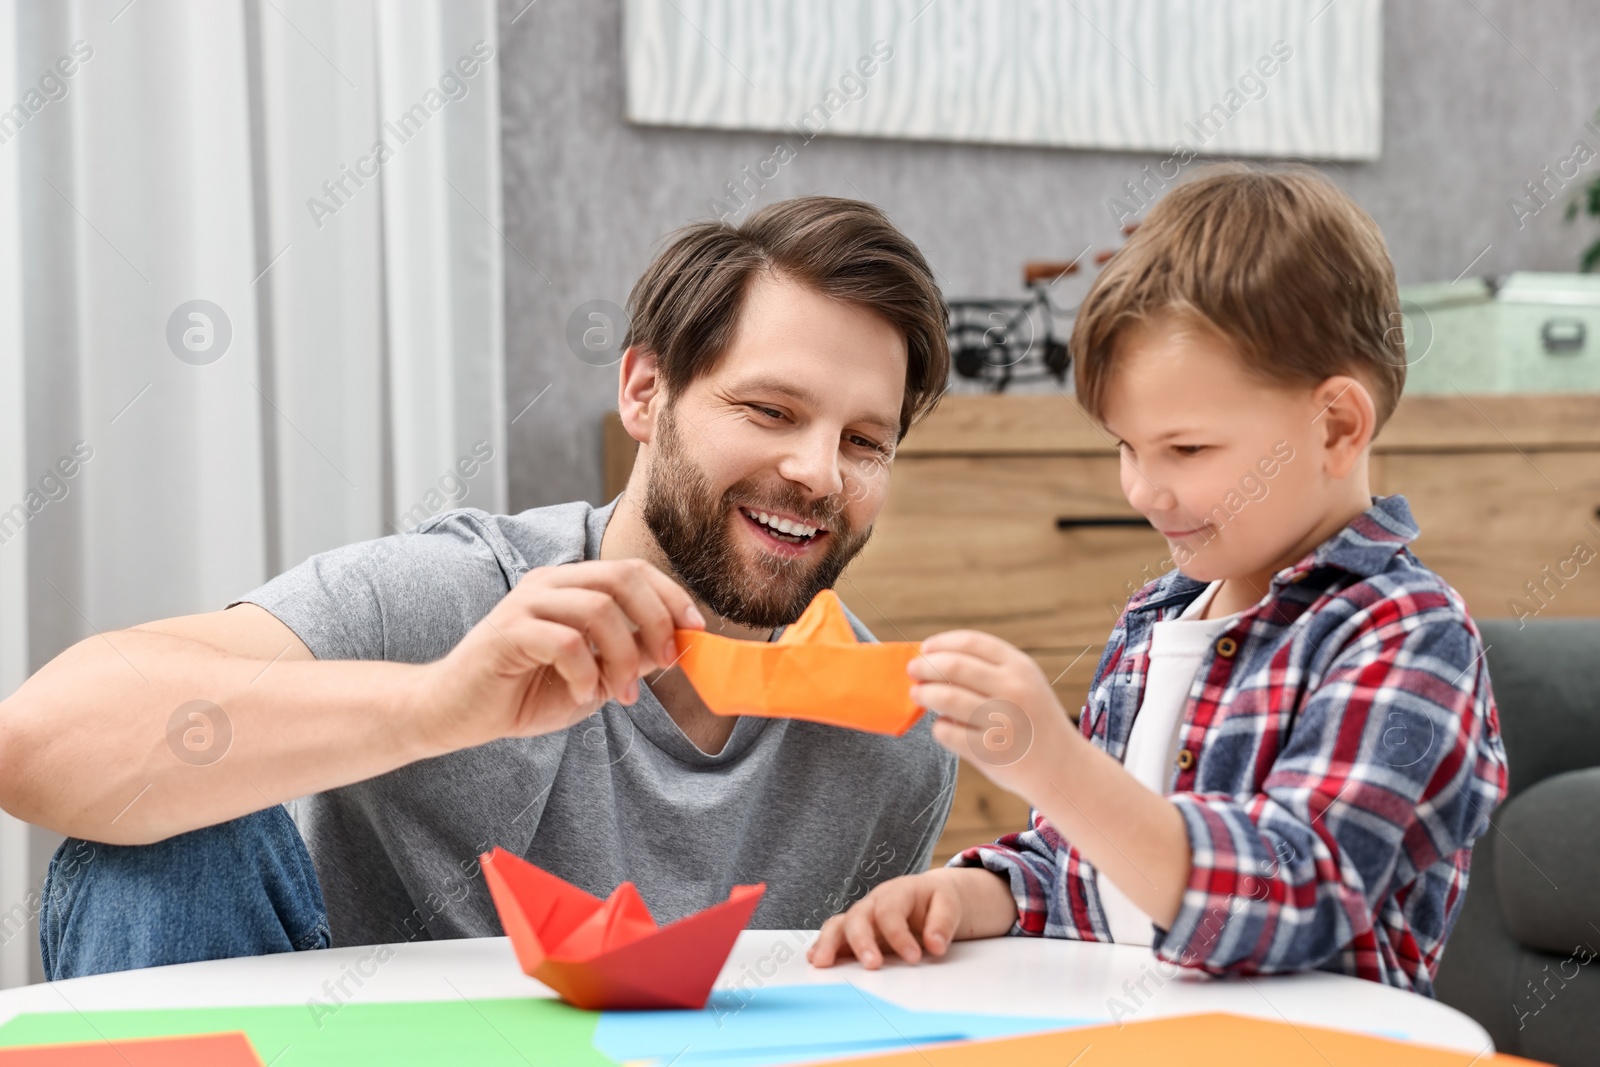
1493 522
974 542
1071 672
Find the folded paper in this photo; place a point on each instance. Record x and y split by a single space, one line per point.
1210 1040
817 671
610 954
198 1050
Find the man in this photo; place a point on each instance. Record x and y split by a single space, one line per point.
507 680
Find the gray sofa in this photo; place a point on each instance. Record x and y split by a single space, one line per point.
1524 959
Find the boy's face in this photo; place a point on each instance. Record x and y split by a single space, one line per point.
1227 466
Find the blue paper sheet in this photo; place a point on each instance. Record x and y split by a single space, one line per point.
794 1024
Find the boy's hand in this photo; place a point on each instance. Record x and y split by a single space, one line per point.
916 912
996 709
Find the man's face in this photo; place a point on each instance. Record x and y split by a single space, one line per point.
767 472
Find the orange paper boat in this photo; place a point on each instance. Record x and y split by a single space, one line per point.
816 671
609 954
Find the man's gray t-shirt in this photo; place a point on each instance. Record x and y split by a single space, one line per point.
818 813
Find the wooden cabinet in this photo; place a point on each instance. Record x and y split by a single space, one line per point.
974 541
1510 530
1005 514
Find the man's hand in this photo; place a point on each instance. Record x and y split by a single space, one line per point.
564 641
996 709
916 912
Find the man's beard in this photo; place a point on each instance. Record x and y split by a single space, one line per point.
691 524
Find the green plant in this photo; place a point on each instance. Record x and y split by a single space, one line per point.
1588 201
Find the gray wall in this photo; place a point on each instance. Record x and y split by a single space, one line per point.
1478 96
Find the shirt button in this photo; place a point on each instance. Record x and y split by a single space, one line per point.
1185 759
1226 647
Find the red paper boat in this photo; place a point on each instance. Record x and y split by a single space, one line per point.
608 954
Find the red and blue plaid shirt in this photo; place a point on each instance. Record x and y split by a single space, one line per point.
1340 752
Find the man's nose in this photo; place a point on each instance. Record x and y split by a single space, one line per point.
812 462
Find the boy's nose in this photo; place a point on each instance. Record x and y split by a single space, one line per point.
1145 495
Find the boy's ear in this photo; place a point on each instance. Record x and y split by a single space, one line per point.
1347 422
640 393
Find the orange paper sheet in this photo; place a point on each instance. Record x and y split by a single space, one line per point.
202 1050
1213 1040
816 671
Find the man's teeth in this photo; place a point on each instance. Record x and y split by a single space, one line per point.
781 525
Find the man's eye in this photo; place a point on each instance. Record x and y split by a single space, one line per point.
771 413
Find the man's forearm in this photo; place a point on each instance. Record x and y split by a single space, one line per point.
85 747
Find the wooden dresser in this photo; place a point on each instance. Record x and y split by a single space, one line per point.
1005 514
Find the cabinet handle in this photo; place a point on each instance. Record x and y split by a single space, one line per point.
1562 336
1075 522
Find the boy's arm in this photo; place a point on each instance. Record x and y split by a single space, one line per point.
1052 882
1131 834
1288 878
1394 764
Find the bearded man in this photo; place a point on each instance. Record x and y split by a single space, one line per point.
398 706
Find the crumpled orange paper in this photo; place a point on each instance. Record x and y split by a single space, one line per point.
816 671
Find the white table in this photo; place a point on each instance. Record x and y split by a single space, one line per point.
1005 976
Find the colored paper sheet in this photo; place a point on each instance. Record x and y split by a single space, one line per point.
511 1032
202 1050
1213 1040
609 953
792 1024
816 671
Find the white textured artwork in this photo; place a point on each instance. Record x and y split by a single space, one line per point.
1295 78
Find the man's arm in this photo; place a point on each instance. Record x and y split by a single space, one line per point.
87 734
84 743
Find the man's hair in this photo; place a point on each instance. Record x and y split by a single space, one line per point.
1280 264
685 308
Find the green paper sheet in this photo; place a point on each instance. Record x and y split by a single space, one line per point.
513 1032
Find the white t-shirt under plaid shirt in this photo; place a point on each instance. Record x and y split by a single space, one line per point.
1176 648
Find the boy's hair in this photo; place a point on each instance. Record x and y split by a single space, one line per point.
1281 264
685 307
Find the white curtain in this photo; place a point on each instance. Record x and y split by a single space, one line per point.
314 184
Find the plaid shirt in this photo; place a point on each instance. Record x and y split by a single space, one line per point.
1340 754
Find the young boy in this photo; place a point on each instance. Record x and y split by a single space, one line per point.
1290 743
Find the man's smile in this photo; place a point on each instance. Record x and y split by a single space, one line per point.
784 532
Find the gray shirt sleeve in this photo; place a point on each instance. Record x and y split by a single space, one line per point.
407 598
